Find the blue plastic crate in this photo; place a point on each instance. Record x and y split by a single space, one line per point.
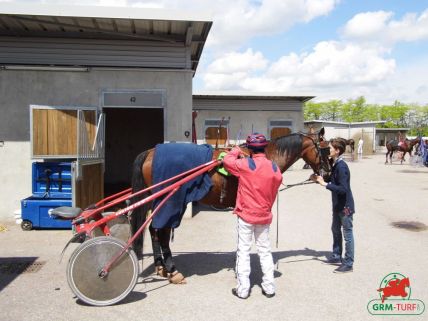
35 213
52 179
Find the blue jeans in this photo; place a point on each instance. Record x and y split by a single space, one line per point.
340 221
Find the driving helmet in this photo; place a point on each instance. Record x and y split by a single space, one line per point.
256 141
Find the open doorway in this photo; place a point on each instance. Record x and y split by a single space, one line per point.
128 132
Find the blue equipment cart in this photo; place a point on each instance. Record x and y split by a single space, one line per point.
51 188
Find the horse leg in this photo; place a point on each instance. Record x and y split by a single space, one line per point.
164 264
157 253
386 157
402 158
174 276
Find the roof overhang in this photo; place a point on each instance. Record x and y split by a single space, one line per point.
344 123
188 28
393 129
251 96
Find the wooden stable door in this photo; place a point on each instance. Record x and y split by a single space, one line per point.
55 131
89 189
215 135
279 131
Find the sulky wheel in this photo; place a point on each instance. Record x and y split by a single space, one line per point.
86 263
26 225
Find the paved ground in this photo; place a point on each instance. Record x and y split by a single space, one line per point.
204 250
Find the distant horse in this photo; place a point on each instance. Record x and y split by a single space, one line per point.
349 142
284 151
405 146
395 288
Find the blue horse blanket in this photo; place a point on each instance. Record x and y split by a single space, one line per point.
170 160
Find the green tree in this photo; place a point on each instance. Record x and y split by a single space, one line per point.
313 110
353 110
396 115
332 110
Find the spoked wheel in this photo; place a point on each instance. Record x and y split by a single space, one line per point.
86 263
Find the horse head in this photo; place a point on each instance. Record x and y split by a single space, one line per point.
317 154
405 282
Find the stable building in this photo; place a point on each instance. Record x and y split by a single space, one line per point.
94 86
224 118
365 130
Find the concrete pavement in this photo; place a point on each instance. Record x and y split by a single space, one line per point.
204 250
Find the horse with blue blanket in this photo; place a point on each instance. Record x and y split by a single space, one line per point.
214 188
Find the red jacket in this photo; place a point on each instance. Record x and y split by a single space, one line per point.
257 188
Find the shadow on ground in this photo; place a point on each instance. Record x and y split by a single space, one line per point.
12 267
204 263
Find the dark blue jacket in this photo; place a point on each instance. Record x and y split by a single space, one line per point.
340 187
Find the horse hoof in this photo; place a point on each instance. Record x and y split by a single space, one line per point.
176 278
161 271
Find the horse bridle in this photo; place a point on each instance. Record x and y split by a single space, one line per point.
322 154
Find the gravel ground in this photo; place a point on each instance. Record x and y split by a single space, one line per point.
204 249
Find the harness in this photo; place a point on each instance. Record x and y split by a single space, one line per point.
252 165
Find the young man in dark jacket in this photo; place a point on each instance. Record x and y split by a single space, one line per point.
343 208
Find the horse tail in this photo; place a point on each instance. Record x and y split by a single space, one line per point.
138 216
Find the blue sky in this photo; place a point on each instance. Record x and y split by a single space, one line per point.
331 49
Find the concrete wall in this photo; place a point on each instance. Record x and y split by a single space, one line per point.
20 89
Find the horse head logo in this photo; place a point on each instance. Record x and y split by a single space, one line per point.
394 286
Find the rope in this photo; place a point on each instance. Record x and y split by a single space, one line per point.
308 181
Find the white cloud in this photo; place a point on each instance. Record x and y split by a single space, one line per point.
330 65
379 27
235 22
233 68
238 62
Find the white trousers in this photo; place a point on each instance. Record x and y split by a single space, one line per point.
243 267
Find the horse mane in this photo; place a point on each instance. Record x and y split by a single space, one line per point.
289 144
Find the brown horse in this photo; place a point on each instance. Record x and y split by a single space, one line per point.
405 146
349 142
284 151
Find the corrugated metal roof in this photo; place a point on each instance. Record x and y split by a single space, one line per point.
190 29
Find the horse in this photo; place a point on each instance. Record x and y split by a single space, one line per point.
405 146
284 151
348 142
395 288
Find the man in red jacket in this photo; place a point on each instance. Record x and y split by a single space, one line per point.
259 180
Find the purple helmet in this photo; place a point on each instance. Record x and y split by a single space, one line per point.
256 141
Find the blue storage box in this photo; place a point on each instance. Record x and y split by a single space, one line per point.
35 213
52 179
